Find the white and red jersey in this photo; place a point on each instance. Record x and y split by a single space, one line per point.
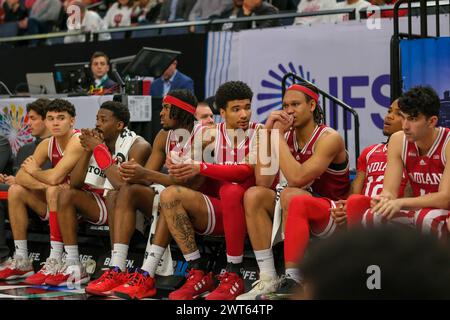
175 142
425 172
372 162
55 153
226 152
334 183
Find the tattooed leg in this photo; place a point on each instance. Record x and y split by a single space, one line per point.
184 211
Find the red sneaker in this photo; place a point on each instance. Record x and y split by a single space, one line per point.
231 285
50 267
140 285
69 274
109 280
16 268
196 285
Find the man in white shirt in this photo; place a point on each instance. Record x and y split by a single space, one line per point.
309 6
357 4
89 21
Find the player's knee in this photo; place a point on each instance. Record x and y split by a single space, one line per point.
16 192
171 193
298 204
252 200
66 198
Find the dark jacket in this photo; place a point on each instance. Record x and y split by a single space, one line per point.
181 81
264 9
184 7
11 16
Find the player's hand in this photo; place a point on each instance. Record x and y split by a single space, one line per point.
278 115
283 126
388 208
30 165
89 139
64 186
132 172
181 168
9 180
2 178
339 214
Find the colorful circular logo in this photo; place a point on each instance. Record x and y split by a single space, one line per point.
14 126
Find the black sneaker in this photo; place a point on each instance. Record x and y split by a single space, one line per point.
284 292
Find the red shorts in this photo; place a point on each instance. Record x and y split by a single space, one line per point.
215 222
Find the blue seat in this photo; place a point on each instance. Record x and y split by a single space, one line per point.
145 33
9 29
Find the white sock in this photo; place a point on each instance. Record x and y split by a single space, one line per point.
265 261
192 256
119 256
235 259
154 256
56 250
294 273
72 253
21 248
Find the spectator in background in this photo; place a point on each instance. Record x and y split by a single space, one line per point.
357 4
43 15
145 11
171 79
36 121
308 6
100 69
119 14
203 9
89 21
230 13
256 8
175 10
204 114
15 12
388 13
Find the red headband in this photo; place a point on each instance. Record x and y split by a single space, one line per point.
305 90
178 103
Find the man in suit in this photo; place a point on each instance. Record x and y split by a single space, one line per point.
175 10
171 79
100 69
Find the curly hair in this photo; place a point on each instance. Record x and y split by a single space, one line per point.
420 100
119 111
39 106
232 90
184 118
61 105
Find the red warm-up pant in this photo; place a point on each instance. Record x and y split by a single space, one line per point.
306 214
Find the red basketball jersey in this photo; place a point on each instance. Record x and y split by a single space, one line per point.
226 152
55 153
373 161
425 172
334 183
175 142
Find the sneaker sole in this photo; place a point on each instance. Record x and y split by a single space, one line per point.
25 275
64 284
125 296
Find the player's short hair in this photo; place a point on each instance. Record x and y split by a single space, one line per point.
420 100
183 117
232 90
39 106
119 110
61 105
338 268
318 113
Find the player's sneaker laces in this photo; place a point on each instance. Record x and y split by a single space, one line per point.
284 291
197 284
265 285
16 268
49 268
231 285
109 280
71 273
139 286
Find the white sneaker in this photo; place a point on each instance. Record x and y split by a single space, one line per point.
50 267
71 274
265 285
